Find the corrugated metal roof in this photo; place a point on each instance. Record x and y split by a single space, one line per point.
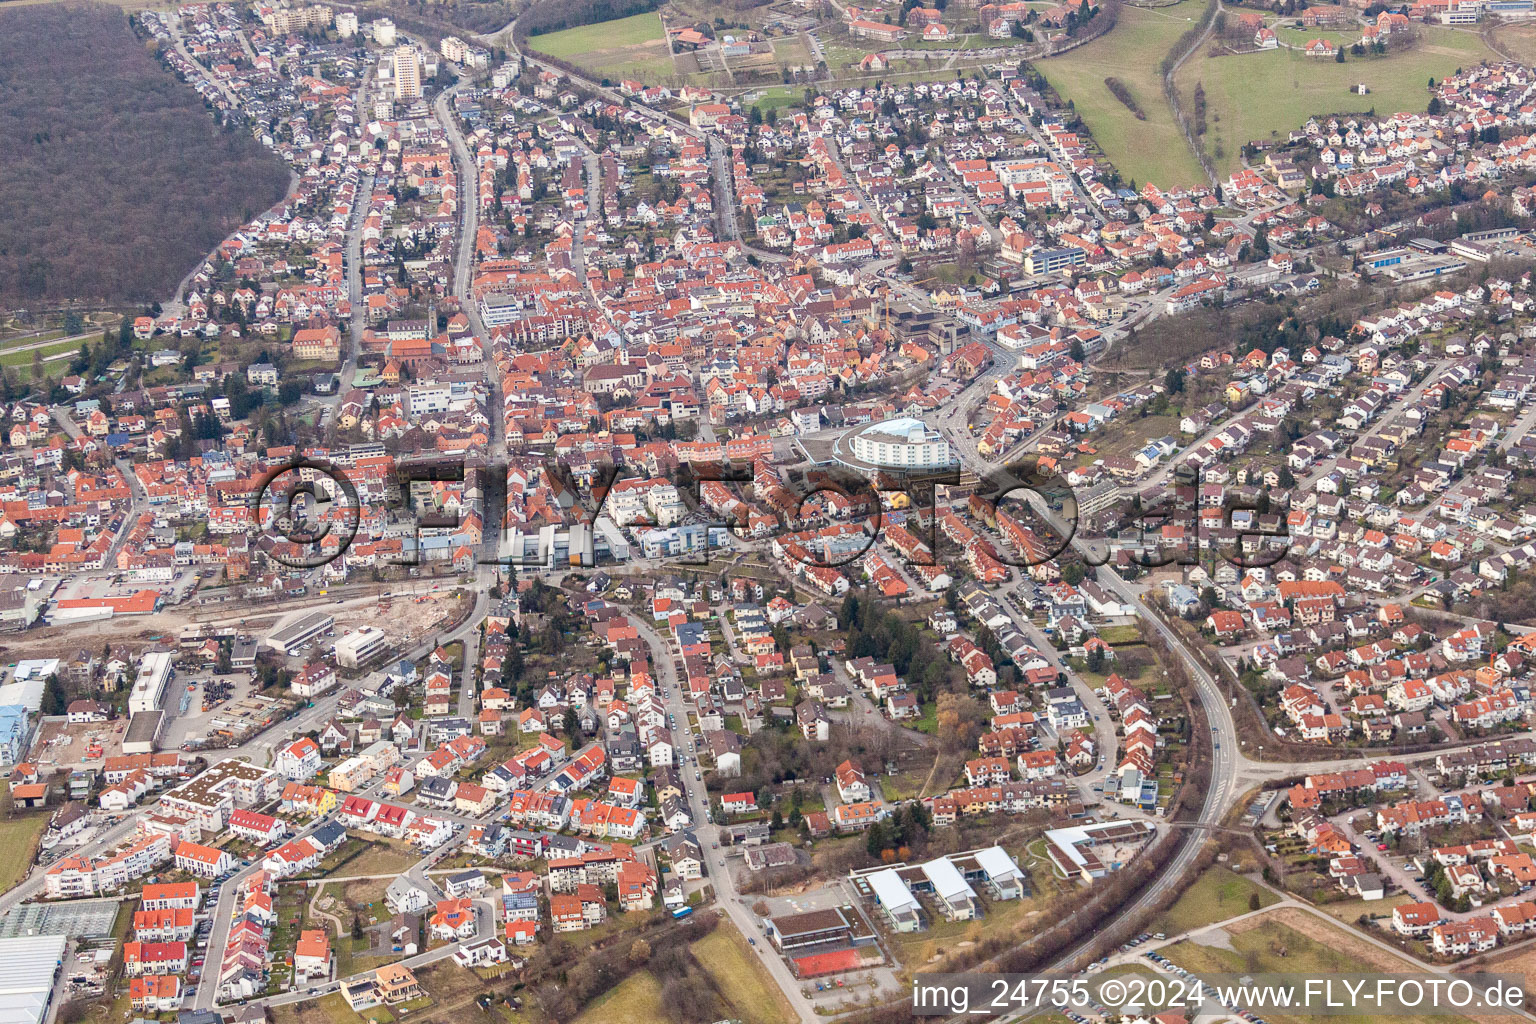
27 965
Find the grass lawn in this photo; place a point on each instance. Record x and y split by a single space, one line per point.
843 53
364 895
928 721
779 97
1349 911
905 785
1216 895
741 978
331 1009
1151 150
791 51
52 355
115 1004
1120 636
615 925
19 836
352 955
622 48
380 857
635 1000
1295 942
1302 36
1264 95
604 35
34 338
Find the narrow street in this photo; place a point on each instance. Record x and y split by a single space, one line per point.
355 298
469 205
708 834
138 500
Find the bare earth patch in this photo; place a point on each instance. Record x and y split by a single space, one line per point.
1350 945
1217 938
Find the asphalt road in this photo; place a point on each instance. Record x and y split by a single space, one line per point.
727 898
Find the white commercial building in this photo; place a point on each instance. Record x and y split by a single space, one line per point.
149 687
1095 850
291 638
902 443
29 964
357 647
1001 873
35 668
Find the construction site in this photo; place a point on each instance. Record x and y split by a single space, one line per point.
409 614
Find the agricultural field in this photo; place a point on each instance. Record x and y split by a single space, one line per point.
1144 150
1519 961
633 47
1264 95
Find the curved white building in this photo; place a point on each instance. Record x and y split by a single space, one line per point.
902 443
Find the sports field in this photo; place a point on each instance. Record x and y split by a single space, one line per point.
778 97
1265 95
633 47
1151 150
791 51
55 356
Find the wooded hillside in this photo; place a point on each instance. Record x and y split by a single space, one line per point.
116 178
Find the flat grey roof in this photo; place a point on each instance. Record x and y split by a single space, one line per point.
143 726
299 627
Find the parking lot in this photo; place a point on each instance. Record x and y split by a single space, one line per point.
233 694
174 590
